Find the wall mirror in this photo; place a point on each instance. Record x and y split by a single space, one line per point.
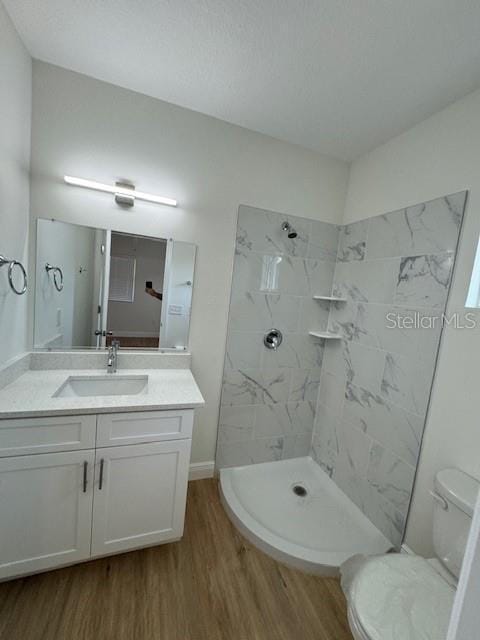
96 285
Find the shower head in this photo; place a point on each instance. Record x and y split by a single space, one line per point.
286 226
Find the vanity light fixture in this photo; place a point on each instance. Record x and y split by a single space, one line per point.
125 194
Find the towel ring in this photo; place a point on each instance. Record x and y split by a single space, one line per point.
11 265
57 276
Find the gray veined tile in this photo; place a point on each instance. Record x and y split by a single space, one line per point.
391 477
332 392
352 362
324 457
323 241
234 454
431 227
342 319
254 386
283 419
319 275
260 312
364 366
378 509
236 424
296 350
412 332
395 428
294 276
244 350
367 281
326 428
247 272
266 449
260 230
389 520
407 383
276 385
313 314
304 385
240 389
251 452
423 281
269 273
237 416
334 359
352 241
297 446
353 455
283 274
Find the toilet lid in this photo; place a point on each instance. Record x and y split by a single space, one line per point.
401 597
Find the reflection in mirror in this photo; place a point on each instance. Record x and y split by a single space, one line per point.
95 285
69 278
137 267
178 290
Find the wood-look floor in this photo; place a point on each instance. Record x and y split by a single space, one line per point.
212 585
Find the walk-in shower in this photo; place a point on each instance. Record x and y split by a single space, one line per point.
339 414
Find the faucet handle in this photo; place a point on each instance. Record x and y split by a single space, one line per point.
273 339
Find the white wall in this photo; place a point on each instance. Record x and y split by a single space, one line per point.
439 156
15 114
92 129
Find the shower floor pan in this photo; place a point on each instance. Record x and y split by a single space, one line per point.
294 512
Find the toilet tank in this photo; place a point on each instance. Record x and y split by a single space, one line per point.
456 495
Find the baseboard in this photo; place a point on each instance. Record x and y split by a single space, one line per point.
201 470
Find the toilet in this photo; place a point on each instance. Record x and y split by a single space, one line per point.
400 596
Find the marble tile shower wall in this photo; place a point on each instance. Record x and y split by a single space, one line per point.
376 380
269 398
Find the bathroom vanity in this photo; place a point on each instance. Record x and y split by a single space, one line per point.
84 476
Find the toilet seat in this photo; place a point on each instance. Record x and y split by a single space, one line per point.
399 597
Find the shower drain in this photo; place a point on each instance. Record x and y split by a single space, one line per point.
299 490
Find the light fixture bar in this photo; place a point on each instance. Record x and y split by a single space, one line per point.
109 188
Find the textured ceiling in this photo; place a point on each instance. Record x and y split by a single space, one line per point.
337 76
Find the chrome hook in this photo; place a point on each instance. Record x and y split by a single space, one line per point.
57 276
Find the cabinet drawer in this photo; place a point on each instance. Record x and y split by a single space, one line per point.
24 436
148 426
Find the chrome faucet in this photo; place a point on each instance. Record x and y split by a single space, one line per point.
112 356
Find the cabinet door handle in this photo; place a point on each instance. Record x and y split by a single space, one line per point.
100 480
85 470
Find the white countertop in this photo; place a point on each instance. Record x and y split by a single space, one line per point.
30 395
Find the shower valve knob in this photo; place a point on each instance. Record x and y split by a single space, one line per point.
273 339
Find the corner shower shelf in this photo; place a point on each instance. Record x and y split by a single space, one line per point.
325 335
330 298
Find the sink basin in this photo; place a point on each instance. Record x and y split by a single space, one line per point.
107 385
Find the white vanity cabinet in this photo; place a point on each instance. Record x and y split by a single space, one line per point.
45 511
58 507
152 480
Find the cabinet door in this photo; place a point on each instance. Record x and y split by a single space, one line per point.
140 494
45 511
